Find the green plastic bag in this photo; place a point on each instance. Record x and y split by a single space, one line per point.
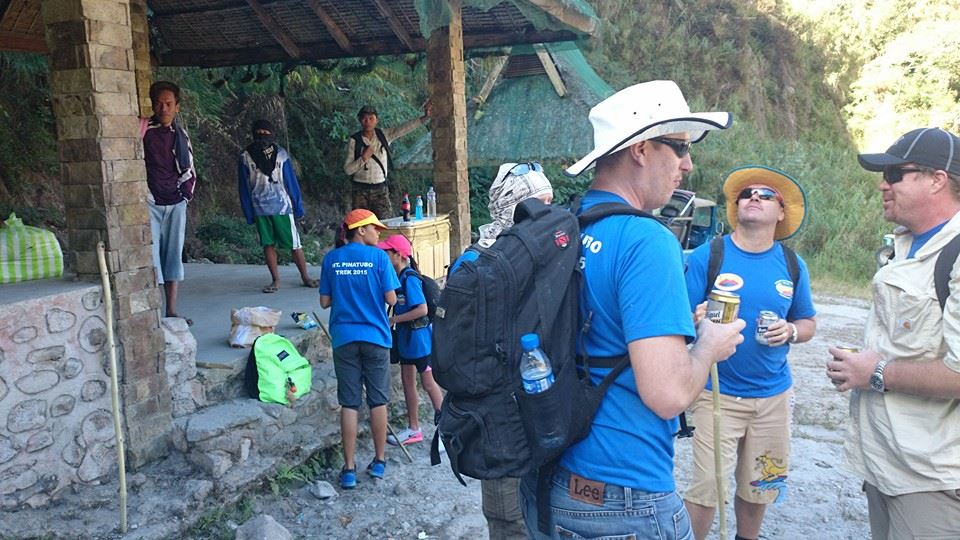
28 252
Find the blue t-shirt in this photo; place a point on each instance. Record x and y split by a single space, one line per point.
920 239
356 277
412 342
633 285
763 282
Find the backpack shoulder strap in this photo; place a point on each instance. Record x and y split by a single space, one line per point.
713 264
358 144
793 264
599 211
386 145
942 268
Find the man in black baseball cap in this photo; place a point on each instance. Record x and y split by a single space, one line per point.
929 147
905 412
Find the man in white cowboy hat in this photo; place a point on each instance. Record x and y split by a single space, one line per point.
618 480
764 206
903 438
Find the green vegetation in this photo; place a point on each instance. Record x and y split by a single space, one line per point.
810 82
215 524
315 467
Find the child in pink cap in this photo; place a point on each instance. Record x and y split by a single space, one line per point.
414 333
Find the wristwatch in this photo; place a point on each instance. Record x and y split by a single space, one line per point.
876 380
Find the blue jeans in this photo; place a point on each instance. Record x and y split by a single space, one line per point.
625 513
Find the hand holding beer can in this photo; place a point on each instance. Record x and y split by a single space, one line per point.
722 306
764 320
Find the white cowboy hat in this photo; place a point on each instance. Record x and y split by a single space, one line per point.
644 111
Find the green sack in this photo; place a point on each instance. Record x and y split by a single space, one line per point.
28 252
274 364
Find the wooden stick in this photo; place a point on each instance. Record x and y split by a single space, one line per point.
717 456
114 385
402 447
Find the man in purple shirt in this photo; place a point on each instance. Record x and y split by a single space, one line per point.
171 178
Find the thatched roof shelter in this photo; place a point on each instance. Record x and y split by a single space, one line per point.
554 87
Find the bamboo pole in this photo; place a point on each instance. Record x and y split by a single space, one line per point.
717 453
114 385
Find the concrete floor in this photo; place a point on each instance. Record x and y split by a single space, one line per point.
207 294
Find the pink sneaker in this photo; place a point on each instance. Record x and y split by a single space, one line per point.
407 436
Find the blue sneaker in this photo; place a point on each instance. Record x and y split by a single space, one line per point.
348 478
376 468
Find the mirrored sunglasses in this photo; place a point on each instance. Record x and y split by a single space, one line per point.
764 194
892 175
680 148
521 169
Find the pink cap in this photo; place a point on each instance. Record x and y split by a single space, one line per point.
398 243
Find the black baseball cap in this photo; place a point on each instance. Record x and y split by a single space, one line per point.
927 147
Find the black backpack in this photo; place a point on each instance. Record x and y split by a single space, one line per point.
431 292
528 281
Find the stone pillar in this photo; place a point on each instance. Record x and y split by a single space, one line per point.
141 55
104 187
447 84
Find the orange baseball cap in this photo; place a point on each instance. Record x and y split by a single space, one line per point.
360 217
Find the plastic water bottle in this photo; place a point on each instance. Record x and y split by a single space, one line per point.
418 211
431 203
537 375
535 368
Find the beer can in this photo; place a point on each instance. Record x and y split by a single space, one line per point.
723 307
764 320
848 349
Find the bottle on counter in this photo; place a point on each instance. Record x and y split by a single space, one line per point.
405 207
431 203
418 211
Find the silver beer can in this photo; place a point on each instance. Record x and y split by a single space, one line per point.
764 320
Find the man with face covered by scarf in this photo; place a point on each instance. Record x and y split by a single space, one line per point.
270 198
514 183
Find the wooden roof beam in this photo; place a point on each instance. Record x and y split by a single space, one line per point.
492 78
547 62
331 26
394 23
274 28
12 41
567 16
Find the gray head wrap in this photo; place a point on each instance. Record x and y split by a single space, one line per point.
506 192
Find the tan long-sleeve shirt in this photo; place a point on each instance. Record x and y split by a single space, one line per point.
369 172
897 442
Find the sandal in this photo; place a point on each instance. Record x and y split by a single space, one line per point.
271 288
312 283
187 319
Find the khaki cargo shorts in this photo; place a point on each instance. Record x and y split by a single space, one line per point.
755 438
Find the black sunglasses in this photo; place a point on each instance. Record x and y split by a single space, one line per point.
892 175
679 147
764 194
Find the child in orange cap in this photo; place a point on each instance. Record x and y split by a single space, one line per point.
357 280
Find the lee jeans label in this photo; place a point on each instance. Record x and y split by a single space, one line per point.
588 491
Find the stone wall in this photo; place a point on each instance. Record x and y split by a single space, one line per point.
56 428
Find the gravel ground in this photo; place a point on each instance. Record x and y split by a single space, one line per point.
418 501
